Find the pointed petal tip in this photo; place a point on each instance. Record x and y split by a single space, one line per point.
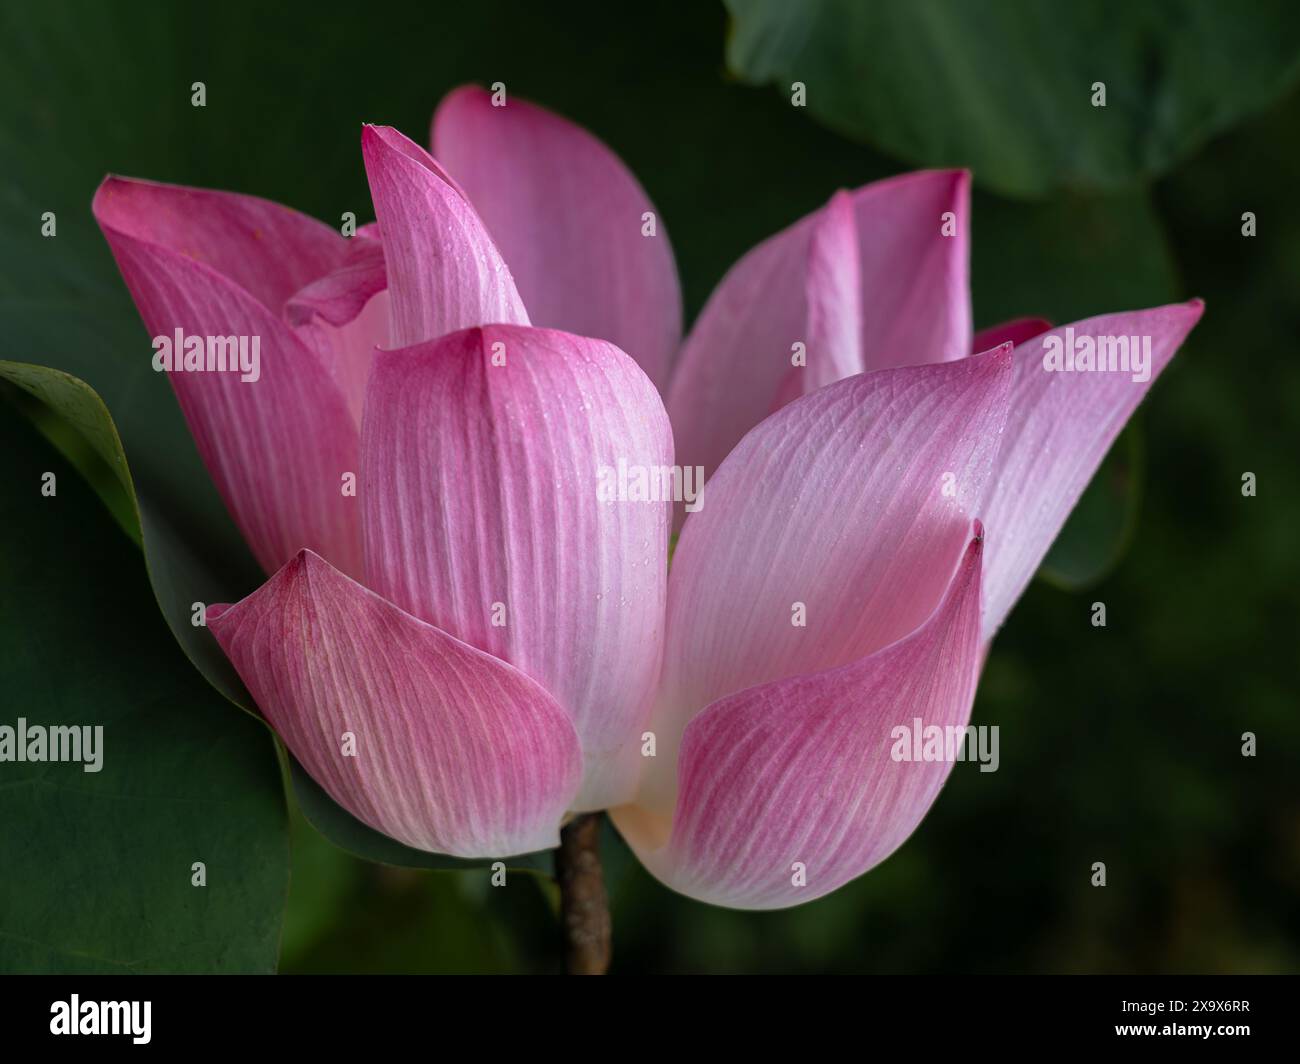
299 562
970 569
950 187
1017 331
443 269
997 351
996 362
959 181
1187 314
302 563
108 199
1060 427
965 579
1169 319
98 202
376 138
1189 309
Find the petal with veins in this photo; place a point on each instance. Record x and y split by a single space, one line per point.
1059 428
828 533
266 249
569 218
428 740
484 458
444 272
791 789
913 307
344 316
277 446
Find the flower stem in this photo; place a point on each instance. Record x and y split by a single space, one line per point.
584 907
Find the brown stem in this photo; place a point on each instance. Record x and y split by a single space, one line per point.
584 908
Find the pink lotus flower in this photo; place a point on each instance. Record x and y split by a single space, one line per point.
503 646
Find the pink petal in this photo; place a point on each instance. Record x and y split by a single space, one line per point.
341 295
481 487
455 752
735 366
277 447
1015 333
800 774
916 280
854 501
1059 428
834 294
344 316
568 217
444 272
833 290
266 249
914 307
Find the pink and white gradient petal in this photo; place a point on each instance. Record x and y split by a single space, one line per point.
444 272
482 455
829 532
570 219
1059 427
790 789
344 316
912 306
418 735
277 447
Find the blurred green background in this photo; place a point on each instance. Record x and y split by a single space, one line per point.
1120 744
